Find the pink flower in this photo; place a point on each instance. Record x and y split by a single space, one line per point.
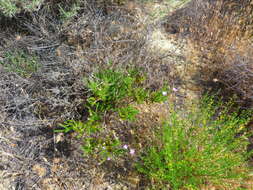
175 89
125 147
132 151
108 158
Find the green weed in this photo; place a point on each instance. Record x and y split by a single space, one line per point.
208 145
128 113
67 15
11 7
20 63
8 8
110 91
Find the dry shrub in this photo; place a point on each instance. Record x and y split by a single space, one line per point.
219 33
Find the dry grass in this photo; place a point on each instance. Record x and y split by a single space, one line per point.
220 43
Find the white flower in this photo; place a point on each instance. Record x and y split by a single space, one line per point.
164 93
125 147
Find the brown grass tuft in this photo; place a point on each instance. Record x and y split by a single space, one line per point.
220 40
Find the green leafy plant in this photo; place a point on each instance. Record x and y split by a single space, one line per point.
20 63
11 7
67 15
8 8
106 148
159 95
110 91
208 145
128 113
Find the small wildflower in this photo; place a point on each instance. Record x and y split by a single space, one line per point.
108 158
132 151
164 93
18 37
175 89
125 147
103 148
215 80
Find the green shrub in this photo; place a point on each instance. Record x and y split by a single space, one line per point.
68 14
201 147
20 63
11 7
128 113
110 91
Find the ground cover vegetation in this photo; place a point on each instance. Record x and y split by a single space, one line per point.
117 94
199 148
12 7
20 63
110 91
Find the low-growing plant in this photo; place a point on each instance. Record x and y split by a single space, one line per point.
20 63
128 113
113 90
206 146
67 15
164 7
110 91
11 7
